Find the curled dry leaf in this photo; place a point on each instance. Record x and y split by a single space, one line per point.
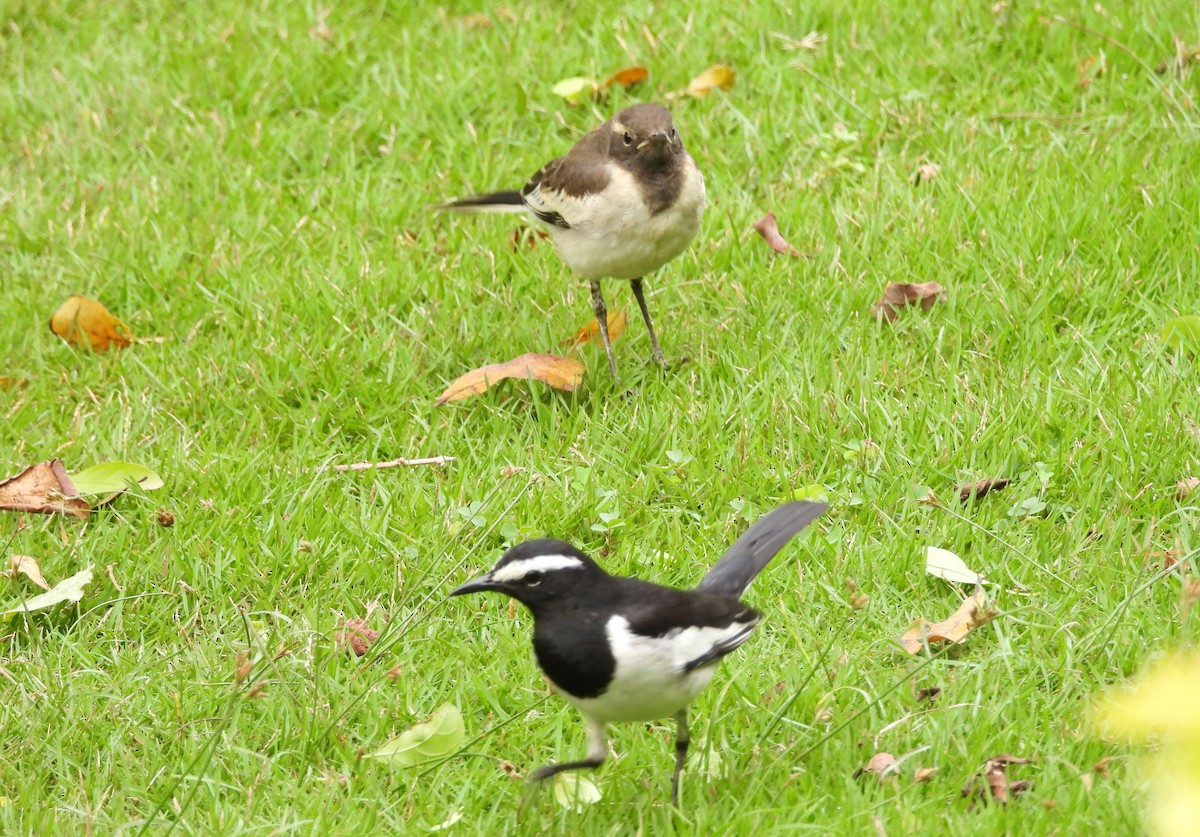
627 77
8 383
1185 487
768 228
578 88
880 764
973 613
617 323
995 774
563 373
44 488
358 635
718 76
27 566
981 488
923 774
83 322
897 295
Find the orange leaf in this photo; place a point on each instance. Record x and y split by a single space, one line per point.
898 295
82 321
717 75
767 227
563 373
971 614
44 488
627 77
617 321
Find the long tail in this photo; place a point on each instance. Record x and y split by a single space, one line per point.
494 202
755 549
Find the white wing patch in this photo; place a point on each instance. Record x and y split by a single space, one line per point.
538 563
653 679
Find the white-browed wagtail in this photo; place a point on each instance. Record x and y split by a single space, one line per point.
624 201
622 649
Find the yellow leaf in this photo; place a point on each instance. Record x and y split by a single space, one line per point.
82 321
718 76
617 321
576 89
563 373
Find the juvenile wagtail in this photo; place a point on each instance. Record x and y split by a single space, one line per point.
624 201
621 649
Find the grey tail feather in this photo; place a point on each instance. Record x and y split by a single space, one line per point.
493 202
755 549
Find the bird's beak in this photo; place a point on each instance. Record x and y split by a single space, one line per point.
475 585
658 138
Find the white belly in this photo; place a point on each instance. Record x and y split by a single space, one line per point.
621 239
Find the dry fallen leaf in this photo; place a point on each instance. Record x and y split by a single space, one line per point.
44 488
8 383
980 488
27 566
563 373
767 227
922 774
626 78
971 614
320 28
527 236
1090 69
1185 487
880 764
897 295
718 76
924 173
82 321
996 777
617 322
358 635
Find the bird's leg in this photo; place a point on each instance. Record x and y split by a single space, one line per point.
641 298
682 739
602 321
597 751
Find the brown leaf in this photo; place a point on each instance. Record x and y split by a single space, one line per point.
924 173
880 764
971 614
617 322
718 76
320 29
1185 487
358 635
8 382
44 488
82 321
627 77
527 236
995 773
1090 69
773 692
897 295
928 694
922 774
979 488
767 227
565 373
27 566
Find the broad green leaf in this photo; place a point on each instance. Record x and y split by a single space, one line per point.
816 491
574 791
945 564
108 477
439 736
575 90
1183 333
67 590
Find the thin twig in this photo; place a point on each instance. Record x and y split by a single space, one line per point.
391 463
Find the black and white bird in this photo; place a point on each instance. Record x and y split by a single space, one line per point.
624 201
622 649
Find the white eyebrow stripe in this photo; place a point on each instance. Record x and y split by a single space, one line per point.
538 563
618 128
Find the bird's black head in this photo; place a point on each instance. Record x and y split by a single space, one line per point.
538 572
644 135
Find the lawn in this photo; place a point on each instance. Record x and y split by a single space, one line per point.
251 183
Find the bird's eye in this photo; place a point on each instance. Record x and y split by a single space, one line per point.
672 134
628 139
533 579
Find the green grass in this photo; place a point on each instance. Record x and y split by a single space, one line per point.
257 196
